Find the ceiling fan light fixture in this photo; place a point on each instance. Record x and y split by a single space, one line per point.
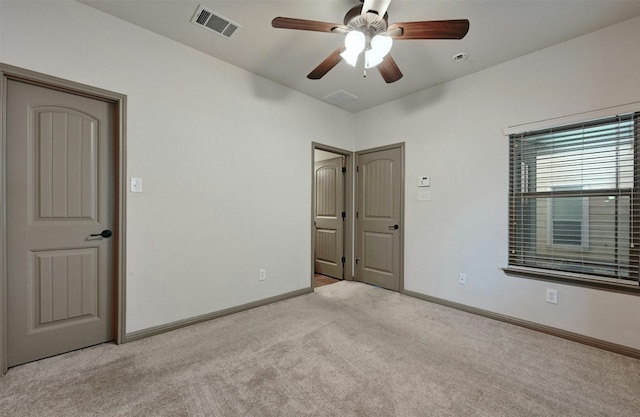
350 56
381 44
371 59
354 41
380 47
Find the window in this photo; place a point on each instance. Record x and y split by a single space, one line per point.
568 221
573 204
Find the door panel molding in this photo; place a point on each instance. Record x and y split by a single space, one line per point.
9 72
56 207
83 266
348 204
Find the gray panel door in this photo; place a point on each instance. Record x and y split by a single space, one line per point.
379 217
60 190
328 221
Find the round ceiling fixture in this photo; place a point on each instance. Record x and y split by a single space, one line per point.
460 57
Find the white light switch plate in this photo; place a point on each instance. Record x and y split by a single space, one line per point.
424 181
136 185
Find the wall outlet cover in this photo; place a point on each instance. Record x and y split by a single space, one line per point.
136 185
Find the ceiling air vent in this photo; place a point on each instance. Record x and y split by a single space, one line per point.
340 98
214 22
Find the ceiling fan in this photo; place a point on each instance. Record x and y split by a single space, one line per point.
367 29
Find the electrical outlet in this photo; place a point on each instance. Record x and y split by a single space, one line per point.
424 196
463 279
552 296
263 275
136 185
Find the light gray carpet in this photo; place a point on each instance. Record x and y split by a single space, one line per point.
347 350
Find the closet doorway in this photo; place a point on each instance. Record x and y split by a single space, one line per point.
331 215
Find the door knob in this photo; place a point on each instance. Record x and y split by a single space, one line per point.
106 233
394 227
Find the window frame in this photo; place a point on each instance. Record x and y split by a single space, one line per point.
619 284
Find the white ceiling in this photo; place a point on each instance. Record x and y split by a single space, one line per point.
499 31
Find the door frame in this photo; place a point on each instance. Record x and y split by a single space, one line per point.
9 72
400 145
348 204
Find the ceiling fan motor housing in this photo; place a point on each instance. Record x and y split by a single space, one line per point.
354 20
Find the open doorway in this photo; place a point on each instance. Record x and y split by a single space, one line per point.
331 215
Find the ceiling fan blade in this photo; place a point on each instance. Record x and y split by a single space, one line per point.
326 65
433 29
389 70
303 24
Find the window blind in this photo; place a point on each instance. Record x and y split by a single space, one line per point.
573 205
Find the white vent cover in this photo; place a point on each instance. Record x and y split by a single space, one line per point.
214 22
340 98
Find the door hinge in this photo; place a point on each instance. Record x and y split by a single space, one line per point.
357 168
344 259
356 214
344 215
344 170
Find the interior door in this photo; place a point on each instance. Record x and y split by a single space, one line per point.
328 220
379 218
60 192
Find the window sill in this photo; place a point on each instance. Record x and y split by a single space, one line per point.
571 279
